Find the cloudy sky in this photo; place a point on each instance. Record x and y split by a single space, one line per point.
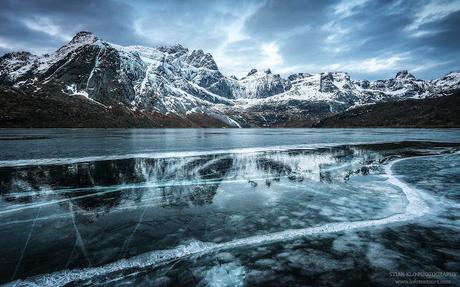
369 39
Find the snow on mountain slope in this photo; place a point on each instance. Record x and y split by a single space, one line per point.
167 79
15 65
447 83
173 79
337 89
307 87
260 84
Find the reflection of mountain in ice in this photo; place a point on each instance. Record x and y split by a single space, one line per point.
170 182
180 207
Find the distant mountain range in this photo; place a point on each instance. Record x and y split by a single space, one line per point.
92 83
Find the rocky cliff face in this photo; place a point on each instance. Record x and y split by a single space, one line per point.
175 80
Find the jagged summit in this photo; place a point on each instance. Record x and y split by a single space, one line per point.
298 76
176 48
404 74
252 72
84 36
266 71
201 59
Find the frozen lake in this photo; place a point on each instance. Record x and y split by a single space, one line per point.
228 207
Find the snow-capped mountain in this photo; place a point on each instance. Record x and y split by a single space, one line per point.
176 80
260 84
304 98
338 88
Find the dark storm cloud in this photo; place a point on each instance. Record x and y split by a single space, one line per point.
45 24
369 39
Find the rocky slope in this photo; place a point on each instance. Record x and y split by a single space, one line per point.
179 83
59 110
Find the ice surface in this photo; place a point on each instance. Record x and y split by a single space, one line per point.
416 207
224 275
276 215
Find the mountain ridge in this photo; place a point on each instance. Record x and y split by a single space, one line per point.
173 80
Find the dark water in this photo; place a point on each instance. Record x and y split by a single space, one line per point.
265 207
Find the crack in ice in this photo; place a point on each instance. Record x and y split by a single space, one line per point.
79 239
23 251
130 237
69 260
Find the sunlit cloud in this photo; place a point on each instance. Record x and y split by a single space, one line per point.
229 58
271 56
45 25
370 65
335 41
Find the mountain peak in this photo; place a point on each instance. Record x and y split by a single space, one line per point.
404 74
198 58
177 48
252 72
266 71
453 73
298 76
84 36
